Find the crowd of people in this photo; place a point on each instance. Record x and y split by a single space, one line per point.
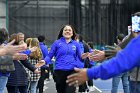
25 64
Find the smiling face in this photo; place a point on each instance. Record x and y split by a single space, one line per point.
67 32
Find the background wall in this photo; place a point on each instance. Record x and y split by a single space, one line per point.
2 14
99 21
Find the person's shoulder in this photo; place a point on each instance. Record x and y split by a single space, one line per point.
138 36
74 41
57 41
136 39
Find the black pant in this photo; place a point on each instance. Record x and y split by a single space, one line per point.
41 79
17 89
51 68
60 78
83 88
90 82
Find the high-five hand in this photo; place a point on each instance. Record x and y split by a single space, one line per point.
77 78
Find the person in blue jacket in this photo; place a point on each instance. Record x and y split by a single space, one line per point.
125 60
66 50
44 51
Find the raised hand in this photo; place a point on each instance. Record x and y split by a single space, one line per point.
77 78
84 55
10 49
37 71
40 63
97 55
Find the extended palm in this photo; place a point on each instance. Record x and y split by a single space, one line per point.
80 76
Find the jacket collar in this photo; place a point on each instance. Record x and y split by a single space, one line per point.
63 39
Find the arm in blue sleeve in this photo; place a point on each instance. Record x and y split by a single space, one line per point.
125 60
44 52
27 52
81 46
79 52
47 60
51 53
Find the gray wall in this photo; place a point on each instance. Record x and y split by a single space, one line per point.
2 14
46 23
32 21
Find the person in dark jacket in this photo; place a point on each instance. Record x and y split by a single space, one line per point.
7 54
44 51
18 79
83 64
122 76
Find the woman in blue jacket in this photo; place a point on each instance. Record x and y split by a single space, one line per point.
66 50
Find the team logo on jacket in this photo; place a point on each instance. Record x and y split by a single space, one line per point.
59 44
73 47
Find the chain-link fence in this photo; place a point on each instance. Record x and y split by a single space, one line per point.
98 21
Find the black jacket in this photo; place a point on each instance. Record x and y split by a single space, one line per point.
19 77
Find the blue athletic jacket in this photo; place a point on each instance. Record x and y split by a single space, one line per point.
79 62
65 54
44 49
125 60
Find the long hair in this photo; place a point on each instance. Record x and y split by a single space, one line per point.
90 44
61 32
28 41
3 35
36 54
80 37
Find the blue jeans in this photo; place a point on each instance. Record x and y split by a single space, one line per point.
33 86
3 82
125 83
134 87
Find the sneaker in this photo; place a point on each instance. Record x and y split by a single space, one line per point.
91 88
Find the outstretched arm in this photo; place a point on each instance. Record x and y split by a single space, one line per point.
125 60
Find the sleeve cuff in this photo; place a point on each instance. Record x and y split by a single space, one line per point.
91 73
47 60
